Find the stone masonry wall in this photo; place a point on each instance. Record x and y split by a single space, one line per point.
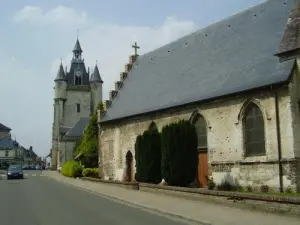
224 133
70 114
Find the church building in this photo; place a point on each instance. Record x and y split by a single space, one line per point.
236 80
77 93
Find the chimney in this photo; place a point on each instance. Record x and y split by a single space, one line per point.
123 76
128 67
112 94
132 59
118 85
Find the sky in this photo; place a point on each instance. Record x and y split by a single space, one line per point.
36 35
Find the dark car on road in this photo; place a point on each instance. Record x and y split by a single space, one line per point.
15 172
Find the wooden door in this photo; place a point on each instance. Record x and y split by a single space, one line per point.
202 168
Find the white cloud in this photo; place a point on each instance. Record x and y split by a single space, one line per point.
60 15
109 44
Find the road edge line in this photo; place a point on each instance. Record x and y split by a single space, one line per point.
136 205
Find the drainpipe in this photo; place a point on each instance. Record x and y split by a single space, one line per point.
278 140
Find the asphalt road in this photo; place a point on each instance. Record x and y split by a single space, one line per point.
37 200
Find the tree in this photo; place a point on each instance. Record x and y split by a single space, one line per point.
179 153
88 144
148 157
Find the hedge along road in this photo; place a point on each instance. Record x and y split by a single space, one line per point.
40 201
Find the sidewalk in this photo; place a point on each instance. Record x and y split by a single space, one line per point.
207 213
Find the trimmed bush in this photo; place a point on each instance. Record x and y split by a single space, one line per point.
71 169
148 157
179 153
90 172
138 158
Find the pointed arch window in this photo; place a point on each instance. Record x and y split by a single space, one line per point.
77 80
200 125
254 131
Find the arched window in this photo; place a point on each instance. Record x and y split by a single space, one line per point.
152 126
254 130
200 125
77 80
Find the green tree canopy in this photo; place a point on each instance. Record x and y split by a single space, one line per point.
88 144
179 153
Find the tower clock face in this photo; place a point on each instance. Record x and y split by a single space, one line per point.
78 73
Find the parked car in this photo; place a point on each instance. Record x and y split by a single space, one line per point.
15 172
37 167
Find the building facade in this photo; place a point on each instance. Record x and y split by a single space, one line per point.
11 152
237 81
77 92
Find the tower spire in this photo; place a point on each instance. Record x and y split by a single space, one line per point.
95 77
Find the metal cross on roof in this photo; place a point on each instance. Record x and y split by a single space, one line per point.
136 47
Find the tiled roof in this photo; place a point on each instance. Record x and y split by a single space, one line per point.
78 128
60 74
6 143
95 77
4 128
231 56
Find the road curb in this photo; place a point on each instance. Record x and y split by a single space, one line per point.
140 206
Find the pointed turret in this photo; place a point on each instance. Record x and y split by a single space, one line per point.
96 89
60 74
77 47
95 77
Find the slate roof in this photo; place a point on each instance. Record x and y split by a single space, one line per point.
95 77
6 143
77 47
60 73
4 128
78 128
64 130
77 64
230 56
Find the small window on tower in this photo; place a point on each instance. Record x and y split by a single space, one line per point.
78 108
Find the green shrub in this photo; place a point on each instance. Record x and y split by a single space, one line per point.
264 188
289 190
249 188
90 172
211 184
148 157
179 153
71 169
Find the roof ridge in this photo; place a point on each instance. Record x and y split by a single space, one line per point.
210 25
229 60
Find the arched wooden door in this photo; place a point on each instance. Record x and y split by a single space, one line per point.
201 129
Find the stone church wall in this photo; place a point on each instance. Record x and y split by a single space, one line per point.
71 116
226 156
66 151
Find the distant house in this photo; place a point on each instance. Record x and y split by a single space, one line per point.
29 156
10 150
